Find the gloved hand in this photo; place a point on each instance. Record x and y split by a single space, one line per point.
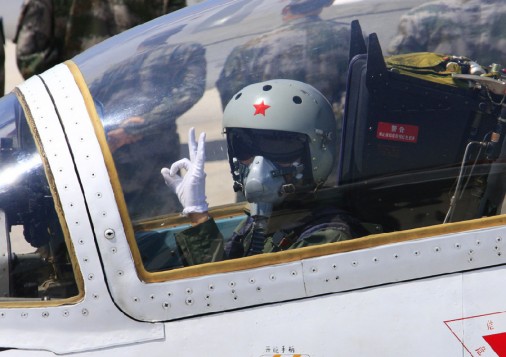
190 188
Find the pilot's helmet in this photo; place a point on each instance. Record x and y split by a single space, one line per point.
284 121
305 6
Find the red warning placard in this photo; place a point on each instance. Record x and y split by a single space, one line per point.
397 132
482 335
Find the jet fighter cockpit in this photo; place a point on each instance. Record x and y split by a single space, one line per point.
402 161
418 138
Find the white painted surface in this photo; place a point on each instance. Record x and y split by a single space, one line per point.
407 299
93 322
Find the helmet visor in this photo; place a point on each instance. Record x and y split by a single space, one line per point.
277 146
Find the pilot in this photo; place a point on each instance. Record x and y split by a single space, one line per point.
281 139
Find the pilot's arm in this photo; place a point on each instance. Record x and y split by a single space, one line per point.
203 242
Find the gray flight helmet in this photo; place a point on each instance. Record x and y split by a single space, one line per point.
289 106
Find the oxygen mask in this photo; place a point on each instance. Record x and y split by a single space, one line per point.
265 183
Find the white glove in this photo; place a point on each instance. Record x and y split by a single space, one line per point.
191 187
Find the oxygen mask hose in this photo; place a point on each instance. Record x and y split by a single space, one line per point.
259 234
262 190
261 213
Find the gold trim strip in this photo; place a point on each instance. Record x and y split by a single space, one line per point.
175 220
61 218
288 256
111 168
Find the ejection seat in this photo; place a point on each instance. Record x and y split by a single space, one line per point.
404 139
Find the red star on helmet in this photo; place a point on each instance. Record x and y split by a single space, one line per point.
261 108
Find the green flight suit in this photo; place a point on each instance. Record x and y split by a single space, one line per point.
204 243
